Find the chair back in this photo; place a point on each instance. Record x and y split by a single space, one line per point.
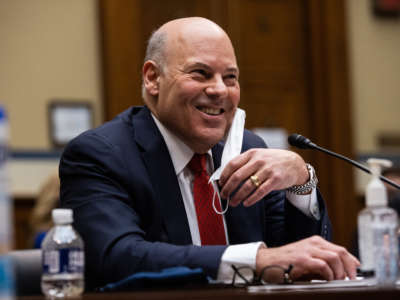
28 271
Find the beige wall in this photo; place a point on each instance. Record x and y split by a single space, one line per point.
49 50
374 46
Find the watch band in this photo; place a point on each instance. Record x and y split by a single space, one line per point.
308 186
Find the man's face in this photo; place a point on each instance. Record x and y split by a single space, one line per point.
198 88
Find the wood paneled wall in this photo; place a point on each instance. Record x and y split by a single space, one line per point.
293 66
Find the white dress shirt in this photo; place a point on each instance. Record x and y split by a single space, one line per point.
242 254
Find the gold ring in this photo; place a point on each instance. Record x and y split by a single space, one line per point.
254 179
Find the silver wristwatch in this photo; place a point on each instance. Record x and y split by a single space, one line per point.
308 186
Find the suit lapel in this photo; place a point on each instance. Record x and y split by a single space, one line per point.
217 154
163 178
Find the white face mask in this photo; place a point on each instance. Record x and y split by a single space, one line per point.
232 148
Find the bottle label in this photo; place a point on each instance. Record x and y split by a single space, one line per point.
68 260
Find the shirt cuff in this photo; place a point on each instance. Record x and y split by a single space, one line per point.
307 204
239 255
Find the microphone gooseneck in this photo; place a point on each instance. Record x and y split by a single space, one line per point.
299 141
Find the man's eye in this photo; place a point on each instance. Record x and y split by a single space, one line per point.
200 72
231 78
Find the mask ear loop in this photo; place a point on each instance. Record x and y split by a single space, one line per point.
213 203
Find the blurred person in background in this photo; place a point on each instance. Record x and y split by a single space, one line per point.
40 221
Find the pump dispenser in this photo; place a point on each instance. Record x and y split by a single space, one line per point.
377 230
376 194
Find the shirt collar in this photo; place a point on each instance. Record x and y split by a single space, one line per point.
180 153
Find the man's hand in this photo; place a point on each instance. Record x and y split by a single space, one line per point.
275 169
312 258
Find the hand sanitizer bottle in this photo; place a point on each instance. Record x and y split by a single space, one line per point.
377 230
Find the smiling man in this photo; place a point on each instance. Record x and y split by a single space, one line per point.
197 88
139 184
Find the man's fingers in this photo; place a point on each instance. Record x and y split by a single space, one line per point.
232 166
334 261
241 174
348 261
312 258
312 268
239 184
259 193
320 267
249 193
243 192
269 184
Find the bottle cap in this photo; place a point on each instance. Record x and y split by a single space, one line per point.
62 216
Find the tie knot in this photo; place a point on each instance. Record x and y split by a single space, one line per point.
198 163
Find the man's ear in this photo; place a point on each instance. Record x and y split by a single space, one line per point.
151 77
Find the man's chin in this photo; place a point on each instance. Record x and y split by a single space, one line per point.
205 141
212 139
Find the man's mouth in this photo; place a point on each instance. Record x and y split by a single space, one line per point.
210 111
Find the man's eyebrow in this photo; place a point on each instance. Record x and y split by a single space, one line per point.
199 65
205 66
233 69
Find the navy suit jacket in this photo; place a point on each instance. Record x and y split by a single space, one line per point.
120 181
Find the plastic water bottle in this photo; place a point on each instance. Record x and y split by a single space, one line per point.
62 258
6 215
377 230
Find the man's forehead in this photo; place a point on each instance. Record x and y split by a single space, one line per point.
191 23
198 41
193 32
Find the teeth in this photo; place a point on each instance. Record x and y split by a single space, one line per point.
210 111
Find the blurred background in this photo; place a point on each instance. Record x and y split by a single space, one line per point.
328 69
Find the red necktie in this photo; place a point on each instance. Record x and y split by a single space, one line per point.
211 225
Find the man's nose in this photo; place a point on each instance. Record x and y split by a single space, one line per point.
217 88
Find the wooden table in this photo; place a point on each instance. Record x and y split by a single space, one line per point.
364 293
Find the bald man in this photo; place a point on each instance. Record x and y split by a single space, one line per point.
132 184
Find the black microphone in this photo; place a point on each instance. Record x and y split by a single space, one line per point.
299 141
